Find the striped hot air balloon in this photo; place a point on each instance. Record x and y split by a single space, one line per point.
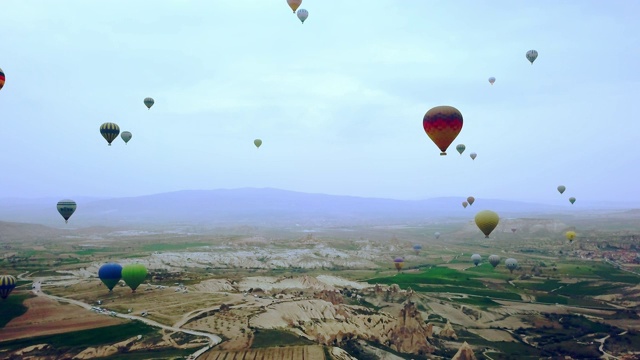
7 284
66 208
109 131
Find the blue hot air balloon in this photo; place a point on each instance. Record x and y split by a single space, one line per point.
110 274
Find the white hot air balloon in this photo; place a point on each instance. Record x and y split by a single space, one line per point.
302 15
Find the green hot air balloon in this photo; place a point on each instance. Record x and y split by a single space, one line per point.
126 136
133 275
572 200
109 131
7 284
561 189
460 148
487 220
531 55
257 142
148 102
66 208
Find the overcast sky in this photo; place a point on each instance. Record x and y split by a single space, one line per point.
338 101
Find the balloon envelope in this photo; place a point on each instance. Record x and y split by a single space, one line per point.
294 4
257 142
109 131
570 235
2 79
511 264
532 55
476 258
133 275
442 124
7 284
66 208
473 156
303 15
494 260
471 200
492 80
572 200
110 274
148 102
561 189
460 148
126 136
437 235
487 220
464 204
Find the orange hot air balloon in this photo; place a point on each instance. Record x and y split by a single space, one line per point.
442 124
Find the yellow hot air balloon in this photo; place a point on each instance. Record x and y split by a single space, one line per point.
487 220
570 235
257 142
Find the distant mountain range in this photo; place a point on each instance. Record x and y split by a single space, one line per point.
270 207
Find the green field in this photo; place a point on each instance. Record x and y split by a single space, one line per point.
264 338
12 307
84 338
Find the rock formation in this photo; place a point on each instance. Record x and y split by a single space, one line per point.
448 332
410 333
464 353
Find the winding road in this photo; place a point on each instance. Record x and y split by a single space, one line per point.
213 339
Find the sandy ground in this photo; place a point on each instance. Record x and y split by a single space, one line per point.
46 317
313 352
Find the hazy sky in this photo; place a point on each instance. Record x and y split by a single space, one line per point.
338 101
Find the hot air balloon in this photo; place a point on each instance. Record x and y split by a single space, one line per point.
66 208
494 260
110 274
437 235
464 204
7 284
398 263
487 220
303 15
133 275
513 230
492 80
460 148
511 264
109 131
561 189
476 258
257 142
570 235
148 102
572 200
473 156
417 248
126 136
294 4
471 200
532 55
2 79
442 124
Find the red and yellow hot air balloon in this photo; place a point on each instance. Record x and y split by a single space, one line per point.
442 124
294 4
2 78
